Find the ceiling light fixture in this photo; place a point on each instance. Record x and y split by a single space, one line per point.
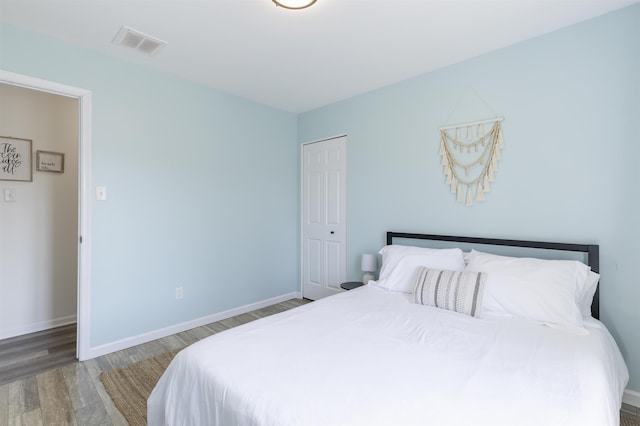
294 4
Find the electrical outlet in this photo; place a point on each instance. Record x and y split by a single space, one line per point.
179 292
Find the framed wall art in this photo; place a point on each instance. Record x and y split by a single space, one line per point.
47 161
15 159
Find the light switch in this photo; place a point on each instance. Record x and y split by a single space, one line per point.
9 195
101 193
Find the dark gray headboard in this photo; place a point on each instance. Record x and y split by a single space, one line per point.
592 251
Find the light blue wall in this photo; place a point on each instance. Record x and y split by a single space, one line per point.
571 102
202 190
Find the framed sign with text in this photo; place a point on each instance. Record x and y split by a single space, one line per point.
15 159
47 161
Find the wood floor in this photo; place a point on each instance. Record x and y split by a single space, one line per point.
34 353
73 394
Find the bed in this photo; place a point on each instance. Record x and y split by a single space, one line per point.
445 336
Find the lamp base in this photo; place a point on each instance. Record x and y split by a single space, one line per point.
367 277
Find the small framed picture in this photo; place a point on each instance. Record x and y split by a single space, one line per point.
47 161
15 159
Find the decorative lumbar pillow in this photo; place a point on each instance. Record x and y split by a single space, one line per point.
452 290
399 264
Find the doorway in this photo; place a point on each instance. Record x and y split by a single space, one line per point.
324 199
82 236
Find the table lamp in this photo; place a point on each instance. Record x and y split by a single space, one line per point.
368 265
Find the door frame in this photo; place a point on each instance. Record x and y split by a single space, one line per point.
83 310
301 218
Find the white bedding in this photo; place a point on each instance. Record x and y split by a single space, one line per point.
370 357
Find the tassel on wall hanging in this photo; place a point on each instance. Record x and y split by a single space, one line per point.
470 157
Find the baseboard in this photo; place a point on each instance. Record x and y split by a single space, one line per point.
631 397
188 325
39 326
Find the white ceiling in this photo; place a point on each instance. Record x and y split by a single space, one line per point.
300 60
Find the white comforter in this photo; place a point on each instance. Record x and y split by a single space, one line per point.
370 357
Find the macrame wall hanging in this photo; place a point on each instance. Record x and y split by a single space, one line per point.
470 157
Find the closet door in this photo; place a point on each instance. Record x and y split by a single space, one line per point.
324 170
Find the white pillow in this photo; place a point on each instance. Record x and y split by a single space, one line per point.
399 264
546 291
585 298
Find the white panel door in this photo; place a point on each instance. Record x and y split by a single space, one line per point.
324 197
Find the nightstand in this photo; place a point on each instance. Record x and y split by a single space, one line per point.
350 285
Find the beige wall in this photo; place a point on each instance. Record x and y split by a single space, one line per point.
38 232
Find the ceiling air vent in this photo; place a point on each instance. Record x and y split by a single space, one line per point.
138 40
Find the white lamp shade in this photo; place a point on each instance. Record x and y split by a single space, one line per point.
369 263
